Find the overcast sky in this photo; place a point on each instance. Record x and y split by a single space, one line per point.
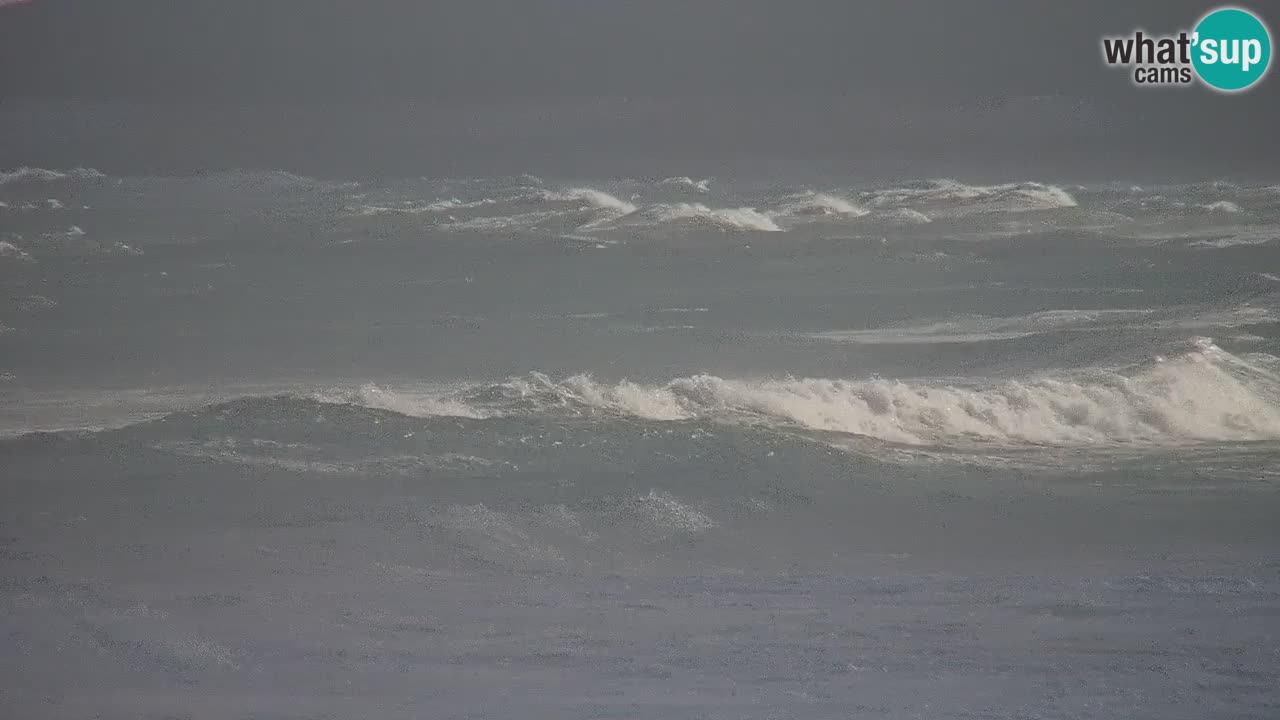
548 80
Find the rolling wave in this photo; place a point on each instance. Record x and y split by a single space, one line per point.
1009 196
741 218
1207 395
9 250
815 203
594 198
1204 395
33 174
702 186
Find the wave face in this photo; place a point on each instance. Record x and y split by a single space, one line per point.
815 203
742 218
1213 216
960 197
1206 395
1201 396
42 175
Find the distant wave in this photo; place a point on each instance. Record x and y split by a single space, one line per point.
1225 206
815 203
978 328
741 218
702 186
30 174
1242 238
1015 196
591 213
9 250
433 207
592 197
984 328
503 223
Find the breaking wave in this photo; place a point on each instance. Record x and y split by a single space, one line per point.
1242 238
703 186
1204 395
1225 206
593 198
424 404
815 203
434 207
742 218
30 174
9 250
978 328
1008 197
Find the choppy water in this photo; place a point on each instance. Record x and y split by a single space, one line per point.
670 447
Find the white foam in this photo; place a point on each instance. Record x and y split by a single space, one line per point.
421 403
1223 206
815 203
1016 196
908 215
582 391
1244 238
502 222
742 218
37 302
9 250
30 174
592 197
1231 317
1203 395
703 186
433 207
665 511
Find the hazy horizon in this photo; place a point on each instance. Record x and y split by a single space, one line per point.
575 89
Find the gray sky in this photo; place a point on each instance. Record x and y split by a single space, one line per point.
534 84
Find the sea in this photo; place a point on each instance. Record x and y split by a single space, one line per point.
276 446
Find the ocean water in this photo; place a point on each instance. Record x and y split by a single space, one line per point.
274 446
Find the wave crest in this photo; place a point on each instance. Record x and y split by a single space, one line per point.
1008 196
742 218
34 174
703 186
815 203
1204 395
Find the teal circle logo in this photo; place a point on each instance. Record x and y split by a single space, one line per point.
1231 49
